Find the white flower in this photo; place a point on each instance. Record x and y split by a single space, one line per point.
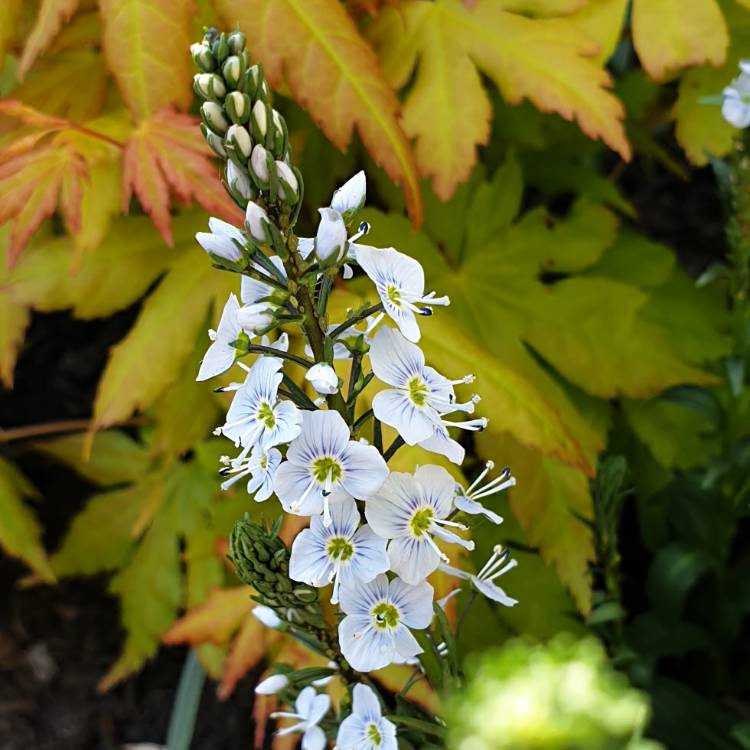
256 416
271 685
256 222
365 728
220 355
323 378
223 241
323 458
375 631
310 708
410 510
330 241
339 552
350 197
484 580
254 291
261 465
267 616
467 500
256 318
736 105
239 181
441 442
420 396
399 280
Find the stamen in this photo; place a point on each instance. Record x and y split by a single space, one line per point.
492 488
489 466
511 564
437 549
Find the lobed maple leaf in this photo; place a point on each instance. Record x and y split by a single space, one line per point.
671 34
52 14
447 110
145 44
165 156
314 46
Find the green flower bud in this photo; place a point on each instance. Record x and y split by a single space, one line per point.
213 116
233 70
236 42
288 182
238 184
278 136
214 141
220 48
209 86
239 144
237 106
202 57
259 123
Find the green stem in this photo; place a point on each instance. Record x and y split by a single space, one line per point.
301 361
393 447
358 424
297 394
338 330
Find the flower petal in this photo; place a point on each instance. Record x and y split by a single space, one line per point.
414 424
365 470
414 602
394 359
365 647
412 559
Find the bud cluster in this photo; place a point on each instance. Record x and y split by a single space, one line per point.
262 561
241 126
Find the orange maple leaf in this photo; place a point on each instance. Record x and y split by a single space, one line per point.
166 157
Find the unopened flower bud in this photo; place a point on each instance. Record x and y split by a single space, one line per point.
209 86
323 378
279 135
289 182
214 141
239 184
260 120
202 57
238 140
237 106
213 116
219 247
330 241
232 70
254 77
267 616
350 197
272 684
220 48
256 222
236 42
255 318
259 166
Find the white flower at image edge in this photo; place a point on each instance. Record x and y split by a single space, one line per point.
736 105
366 728
220 355
375 631
339 552
323 458
410 511
256 415
399 281
309 708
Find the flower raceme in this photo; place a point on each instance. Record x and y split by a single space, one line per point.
373 537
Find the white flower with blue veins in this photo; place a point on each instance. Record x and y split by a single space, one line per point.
484 581
366 728
220 355
256 415
375 631
399 281
261 465
420 396
467 500
340 553
323 458
410 510
223 241
309 708
735 107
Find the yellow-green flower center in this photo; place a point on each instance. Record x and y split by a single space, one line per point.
373 734
418 391
421 521
326 468
394 294
266 415
386 616
340 548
